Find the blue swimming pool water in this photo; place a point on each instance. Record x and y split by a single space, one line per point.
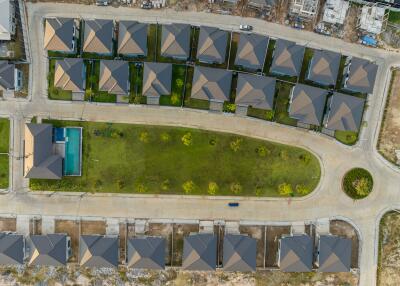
72 159
59 134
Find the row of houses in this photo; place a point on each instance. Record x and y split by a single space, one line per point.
295 253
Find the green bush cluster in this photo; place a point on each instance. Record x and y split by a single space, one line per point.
357 183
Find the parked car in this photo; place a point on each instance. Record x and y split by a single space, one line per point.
102 2
246 27
233 204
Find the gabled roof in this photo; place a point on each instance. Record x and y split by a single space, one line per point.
98 36
288 58
146 252
175 41
39 161
362 76
200 252
132 38
11 249
7 75
308 104
50 249
296 253
212 45
255 91
239 253
58 34
334 254
5 16
345 112
157 79
251 51
68 74
324 67
211 84
98 251
114 77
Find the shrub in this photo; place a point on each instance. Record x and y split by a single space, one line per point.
187 139
259 191
175 98
141 188
236 188
165 137
262 151
285 189
235 144
144 137
306 158
188 187
357 183
230 107
120 184
302 190
179 82
269 115
165 185
212 188
212 142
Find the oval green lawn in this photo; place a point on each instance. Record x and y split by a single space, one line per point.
128 158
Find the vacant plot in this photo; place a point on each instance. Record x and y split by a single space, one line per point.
164 230
389 139
8 224
167 160
273 234
93 227
179 233
278 278
4 149
258 233
70 227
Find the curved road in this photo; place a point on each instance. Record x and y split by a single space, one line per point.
327 201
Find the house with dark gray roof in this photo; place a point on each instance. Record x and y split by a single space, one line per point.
10 77
360 75
132 38
157 79
261 4
40 162
287 58
114 77
324 67
251 51
295 253
59 35
211 84
212 45
255 91
12 248
98 251
50 249
98 36
344 112
239 253
334 254
146 252
307 104
70 74
200 252
175 41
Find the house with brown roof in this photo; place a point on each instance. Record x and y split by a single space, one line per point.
324 67
360 75
98 36
114 77
70 74
287 58
212 45
175 41
60 34
157 78
251 51
132 38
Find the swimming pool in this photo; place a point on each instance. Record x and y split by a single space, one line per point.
72 159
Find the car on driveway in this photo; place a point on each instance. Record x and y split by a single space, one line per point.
246 27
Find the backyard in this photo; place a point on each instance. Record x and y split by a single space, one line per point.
167 160
4 147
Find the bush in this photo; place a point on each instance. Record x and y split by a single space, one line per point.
357 183
212 188
120 184
165 185
141 188
187 139
188 187
259 191
302 190
306 158
235 144
229 107
262 151
285 189
144 137
165 137
179 82
269 115
175 98
236 188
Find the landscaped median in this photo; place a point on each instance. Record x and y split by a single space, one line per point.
4 147
123 158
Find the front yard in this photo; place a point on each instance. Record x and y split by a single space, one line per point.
167 160
4 149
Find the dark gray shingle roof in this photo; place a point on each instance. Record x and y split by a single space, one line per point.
7 75
334 254
11 249
199 252
98 36
296 253
324 67
114 77
288 58
146 252
98 251
58 35
362 74
132 38
239 253
212 45
175 41
157 79
69 74
48 249
251 51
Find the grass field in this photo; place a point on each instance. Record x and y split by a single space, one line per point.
92 85
346 137
282 104
155 160
394 17
54 92
177 87
4 148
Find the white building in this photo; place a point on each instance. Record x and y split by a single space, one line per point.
335 11
7 19
372 19
304 8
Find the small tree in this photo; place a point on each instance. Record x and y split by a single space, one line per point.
269 114
188 187
175 98
236 188
302 190
120 184
165 185
187 139
285 189
179 82
259 191
235 144
144 137
165 137
262 151
141 188
362 187
212 188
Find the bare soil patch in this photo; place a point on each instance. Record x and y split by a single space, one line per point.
8 224
257 232
350 24
274 233
179 232
35 226
344 229
164 230
93 227
70 227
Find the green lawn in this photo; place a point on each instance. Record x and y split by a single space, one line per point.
268 58
394 17
339 80
53 92
194 40
260 113
282 99
136 78
308 54
154 160
177 87
151 42
346 137
4 148
92 92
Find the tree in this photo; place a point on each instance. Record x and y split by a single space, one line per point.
285 189
262 151
212 188
362 187
188 187
187 139
259 191
269 114
175 98
141 188
236 188
165 137
144 137
302 190
179 82
235 144
120 184
165 185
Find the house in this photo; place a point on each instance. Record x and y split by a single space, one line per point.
304 8
98 36
360 75
324 67
335 11
98 251
239 253
251 51
307 104
70 74
146 252
7 20
114 77
40 161
175 41
157 79
287 58
334 254
261 4
295 253
211 84
50 249
344 112
10 77
372 19
200 252
212 45
12 249
255 91
132 38
59 35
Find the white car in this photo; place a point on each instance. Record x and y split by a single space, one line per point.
246 27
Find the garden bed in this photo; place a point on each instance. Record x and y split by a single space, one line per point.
4 149
357 183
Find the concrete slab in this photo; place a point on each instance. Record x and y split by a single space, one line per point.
241 110
206 226
112 226
322 226
23 222
298 227
216 106
48 224
153 100
232 227
141 226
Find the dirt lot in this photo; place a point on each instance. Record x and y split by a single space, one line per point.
389 250
274 233
389 138
8 224
257 232
164 230
344 229
122 242
35 226
350 33
93 227
179 232
70 227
